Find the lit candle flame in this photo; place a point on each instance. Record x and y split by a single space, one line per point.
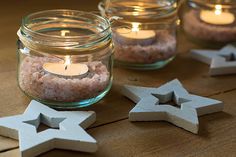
67 62
218 9
67 58
135 27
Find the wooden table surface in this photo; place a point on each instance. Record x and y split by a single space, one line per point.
116 136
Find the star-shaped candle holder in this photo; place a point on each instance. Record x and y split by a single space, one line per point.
152 105
66 130
221 62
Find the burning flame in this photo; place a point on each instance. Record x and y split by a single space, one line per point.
67 62
218 9
135 26
67 58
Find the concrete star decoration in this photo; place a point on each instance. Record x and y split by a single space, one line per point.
148 107
221 62
66 132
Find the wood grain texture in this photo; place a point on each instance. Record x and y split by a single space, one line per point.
7 143
115 134
216 137
153 139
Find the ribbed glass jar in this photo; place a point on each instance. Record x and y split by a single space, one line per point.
144 32
65 57
210 21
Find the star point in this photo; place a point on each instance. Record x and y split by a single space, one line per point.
149 107
70 133
221 62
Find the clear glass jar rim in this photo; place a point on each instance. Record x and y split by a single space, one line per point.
27 30
31 36
145 9
211 3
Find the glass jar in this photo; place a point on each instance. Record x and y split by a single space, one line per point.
144 31
212 21
65 57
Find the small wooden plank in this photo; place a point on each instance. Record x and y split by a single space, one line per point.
7 143
12 153
12 101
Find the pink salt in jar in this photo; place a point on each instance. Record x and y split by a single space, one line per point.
144 32
65 57
211 23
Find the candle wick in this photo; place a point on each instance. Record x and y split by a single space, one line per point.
232 57
66 67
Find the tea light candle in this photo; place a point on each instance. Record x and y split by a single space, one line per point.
214 26
217 17
161 49
67 69
38 82
135 36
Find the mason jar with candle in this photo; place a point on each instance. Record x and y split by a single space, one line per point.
210 21
144 32
65 57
